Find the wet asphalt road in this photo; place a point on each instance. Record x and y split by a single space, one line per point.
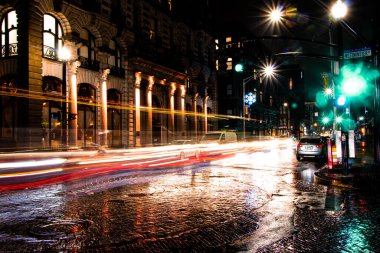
255 202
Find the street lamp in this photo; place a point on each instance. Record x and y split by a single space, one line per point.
339 10
64 55
267 70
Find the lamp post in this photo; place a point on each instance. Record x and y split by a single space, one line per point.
64 55
268 71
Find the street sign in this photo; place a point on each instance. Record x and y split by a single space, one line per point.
357 53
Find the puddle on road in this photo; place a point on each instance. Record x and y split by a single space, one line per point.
60 229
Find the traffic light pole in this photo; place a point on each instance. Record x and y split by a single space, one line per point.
245 81
376 115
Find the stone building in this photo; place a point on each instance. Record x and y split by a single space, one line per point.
135 73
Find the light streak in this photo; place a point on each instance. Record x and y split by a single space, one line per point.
32 163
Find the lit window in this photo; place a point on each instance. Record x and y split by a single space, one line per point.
228 42
290 84
229 64
216 44
8 38
52 37
217 65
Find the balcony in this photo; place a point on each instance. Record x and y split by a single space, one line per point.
50 53
89 64
116 71
9 50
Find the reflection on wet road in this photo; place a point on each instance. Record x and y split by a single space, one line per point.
254 200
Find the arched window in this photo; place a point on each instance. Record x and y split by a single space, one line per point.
8 38
52 37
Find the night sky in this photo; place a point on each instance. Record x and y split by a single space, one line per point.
308 20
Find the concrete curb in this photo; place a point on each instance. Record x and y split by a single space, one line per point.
325 179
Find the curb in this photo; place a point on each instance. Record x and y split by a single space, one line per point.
330 181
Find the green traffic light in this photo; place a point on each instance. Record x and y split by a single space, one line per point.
239 67
339 119
356 79
325 120
353 85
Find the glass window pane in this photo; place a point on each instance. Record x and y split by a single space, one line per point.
84 51
60 44
13 36
3 26
2 39
12 19
49 40
49 23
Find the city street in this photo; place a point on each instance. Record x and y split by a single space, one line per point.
248 200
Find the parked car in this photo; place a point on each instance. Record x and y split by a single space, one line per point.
311 146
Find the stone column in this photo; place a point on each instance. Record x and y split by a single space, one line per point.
103 102
149 126
205 112
73 99
138 112
173 88
195 116
182 104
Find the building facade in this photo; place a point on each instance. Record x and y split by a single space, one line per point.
136 74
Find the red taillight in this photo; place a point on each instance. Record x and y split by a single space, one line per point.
298 145
319 146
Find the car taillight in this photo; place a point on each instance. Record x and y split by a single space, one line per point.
298 145
319 146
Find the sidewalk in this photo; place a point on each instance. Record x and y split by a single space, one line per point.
362 173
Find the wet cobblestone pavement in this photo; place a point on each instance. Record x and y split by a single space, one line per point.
253 203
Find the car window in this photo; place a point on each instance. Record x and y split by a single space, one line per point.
310 140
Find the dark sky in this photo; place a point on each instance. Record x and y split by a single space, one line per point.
309 20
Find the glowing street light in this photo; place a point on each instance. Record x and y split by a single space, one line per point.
328 91
339 10
64 54
275 15
268 70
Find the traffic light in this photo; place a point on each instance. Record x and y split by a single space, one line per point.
341 100
239 67
356 80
